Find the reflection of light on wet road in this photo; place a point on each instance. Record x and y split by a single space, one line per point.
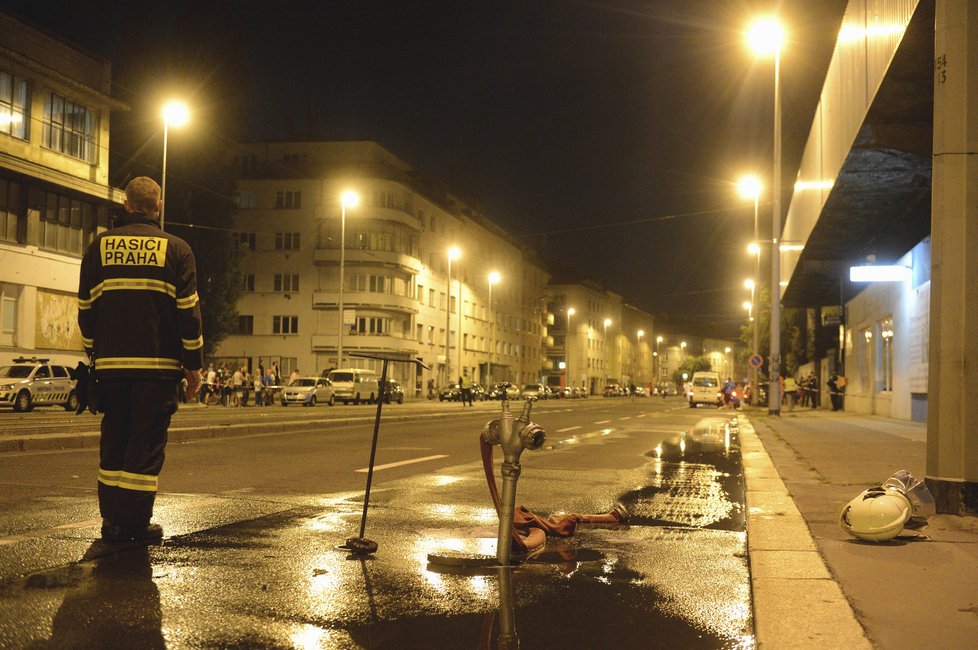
309 637
441 480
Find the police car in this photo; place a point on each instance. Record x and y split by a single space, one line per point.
35 382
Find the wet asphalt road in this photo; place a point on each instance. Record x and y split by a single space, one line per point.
252 523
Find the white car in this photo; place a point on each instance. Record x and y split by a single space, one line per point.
705 389
35 382
309 391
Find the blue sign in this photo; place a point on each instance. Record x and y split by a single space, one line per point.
755 360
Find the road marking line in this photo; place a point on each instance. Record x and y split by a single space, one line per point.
641 416
602 421
377 468
567 429
626 418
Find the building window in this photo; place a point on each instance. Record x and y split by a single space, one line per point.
286 241
285 324
865 359
70 128
248 282
420 294
246 325
288 199
247 240
14 106
9 204
886 357
287 282
67 225
372 325
8 314
246 200
420 332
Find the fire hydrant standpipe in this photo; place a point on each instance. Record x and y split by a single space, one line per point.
519 528
514 435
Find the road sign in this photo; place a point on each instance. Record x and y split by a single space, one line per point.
755 360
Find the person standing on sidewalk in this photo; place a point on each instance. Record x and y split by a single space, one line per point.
465 385
790 392
140 322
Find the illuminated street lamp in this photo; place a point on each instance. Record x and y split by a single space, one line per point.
567 346
494 278
177 114
349 199
453 253
766 37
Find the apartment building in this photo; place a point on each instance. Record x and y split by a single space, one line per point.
598 339
55 105
415 263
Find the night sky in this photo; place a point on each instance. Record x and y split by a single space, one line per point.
606 135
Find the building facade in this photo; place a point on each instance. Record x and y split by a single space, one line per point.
405 295
598 339
54 185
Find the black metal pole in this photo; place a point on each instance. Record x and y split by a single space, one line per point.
373 446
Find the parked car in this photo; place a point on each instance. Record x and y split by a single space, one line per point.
450 393
504 388
309 391
533 391
612 390
478 393
393 392
35 382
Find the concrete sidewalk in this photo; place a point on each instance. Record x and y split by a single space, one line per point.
917 591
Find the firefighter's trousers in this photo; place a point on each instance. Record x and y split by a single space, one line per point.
134 429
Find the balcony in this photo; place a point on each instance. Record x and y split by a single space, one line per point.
366 299
360 257
366 343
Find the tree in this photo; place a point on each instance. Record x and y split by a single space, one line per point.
689 366
795 347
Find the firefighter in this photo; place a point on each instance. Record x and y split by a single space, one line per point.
140 324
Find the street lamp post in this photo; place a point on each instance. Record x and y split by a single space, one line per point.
348 199
607 322
638 349
494 278
766 37
658 361
454 253
177 114
567 347
750 187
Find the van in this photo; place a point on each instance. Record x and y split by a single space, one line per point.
354 385
705 389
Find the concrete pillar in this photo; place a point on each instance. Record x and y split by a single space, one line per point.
952 423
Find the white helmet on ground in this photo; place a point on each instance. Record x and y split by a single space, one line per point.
876 515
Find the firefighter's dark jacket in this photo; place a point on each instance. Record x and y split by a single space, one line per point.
137 302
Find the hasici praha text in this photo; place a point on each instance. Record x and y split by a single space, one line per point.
133 251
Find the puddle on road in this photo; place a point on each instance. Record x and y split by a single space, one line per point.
694 480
